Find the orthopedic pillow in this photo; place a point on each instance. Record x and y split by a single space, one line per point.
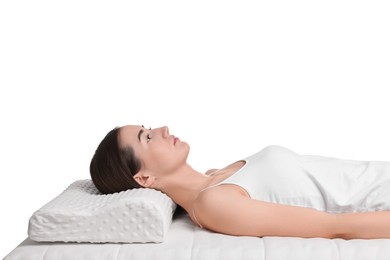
82 214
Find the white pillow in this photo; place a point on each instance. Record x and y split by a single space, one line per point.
82 214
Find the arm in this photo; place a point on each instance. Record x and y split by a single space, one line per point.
366 225
225 210
228 211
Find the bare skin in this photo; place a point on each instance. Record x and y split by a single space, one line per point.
165 168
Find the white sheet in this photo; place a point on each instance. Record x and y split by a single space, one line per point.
186 241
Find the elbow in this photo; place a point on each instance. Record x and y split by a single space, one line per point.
340 227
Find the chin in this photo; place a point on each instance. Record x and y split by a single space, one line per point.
186 147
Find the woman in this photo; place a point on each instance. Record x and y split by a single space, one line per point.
274 192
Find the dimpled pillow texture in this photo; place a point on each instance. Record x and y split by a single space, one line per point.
82 214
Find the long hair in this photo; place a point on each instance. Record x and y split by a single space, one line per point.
112 167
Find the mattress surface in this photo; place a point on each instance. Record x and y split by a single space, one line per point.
186 241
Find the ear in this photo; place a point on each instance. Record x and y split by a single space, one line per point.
145 179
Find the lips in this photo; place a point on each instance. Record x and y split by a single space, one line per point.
175 139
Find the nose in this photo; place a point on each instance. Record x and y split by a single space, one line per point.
165 131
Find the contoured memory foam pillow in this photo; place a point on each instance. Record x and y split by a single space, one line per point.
82 214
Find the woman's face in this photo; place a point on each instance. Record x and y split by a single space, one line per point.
159 152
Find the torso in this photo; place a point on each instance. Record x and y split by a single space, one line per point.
279 175
224 173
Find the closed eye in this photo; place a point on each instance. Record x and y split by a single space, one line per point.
148 138
140 133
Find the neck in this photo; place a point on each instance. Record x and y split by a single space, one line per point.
184 185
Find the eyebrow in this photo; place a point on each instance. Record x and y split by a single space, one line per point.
140 133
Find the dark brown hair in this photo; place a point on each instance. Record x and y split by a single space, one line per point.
112 167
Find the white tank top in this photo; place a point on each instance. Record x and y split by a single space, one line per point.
276 174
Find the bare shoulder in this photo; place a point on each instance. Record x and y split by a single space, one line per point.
209 198
227 210
222 198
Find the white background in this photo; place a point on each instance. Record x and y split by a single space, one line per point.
228 77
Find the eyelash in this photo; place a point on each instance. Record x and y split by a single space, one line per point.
148 137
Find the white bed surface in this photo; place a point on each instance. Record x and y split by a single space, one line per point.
186 241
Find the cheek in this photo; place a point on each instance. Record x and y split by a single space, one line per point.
169 159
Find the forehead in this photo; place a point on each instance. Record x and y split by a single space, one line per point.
128 135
